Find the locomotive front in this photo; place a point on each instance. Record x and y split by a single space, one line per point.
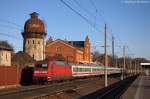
40 74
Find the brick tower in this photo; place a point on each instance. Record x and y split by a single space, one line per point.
33 35
87 49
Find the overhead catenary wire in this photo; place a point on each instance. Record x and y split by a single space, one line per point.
80 15
94 17
103 19
7 26
9 22
10 25
97 11
70 7
83 8
86 10
108 24
15 26
10 36
83 17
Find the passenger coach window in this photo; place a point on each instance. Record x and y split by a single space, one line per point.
75 69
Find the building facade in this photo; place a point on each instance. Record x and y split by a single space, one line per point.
75 51
33 35
5 54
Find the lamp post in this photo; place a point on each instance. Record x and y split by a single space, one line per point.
124 62
105 49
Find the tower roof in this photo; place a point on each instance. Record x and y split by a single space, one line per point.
34 24
87 38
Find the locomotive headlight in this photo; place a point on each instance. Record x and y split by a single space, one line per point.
36 72
48 77
43 72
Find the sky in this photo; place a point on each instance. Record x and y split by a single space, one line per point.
127 20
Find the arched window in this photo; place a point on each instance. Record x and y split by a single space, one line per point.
33 55
58 49
39 42
28 41
6 56
1 56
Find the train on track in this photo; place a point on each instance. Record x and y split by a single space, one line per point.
57 70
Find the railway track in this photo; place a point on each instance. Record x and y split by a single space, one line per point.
113 91
49 89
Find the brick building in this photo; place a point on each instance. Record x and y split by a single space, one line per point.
75 51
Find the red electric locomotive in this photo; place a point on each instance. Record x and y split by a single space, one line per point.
51 70
56 70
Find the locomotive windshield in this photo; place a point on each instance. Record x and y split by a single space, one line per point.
60 62
41 65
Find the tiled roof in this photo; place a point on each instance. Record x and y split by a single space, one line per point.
5 46
22 58
78 44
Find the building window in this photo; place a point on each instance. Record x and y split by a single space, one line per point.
87 50
38 42
0 58
6 56
58 49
